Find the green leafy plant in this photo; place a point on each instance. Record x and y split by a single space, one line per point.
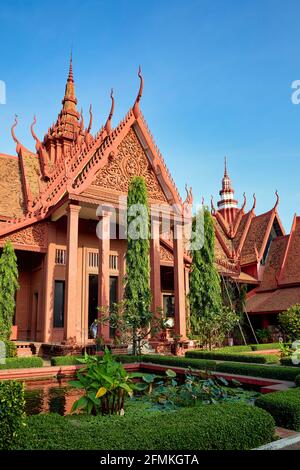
290 322
105 383
8 286
263 335
12 415
201 389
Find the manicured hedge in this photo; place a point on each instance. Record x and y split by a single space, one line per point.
207 427
287 361
65 360
249 347
256 370
11 348
12 416
202 364
283 406
297 381
221 356
22 362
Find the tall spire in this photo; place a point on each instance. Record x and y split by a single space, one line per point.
227 205
66 130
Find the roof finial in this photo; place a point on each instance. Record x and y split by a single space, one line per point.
225 167
111 113
136 107
277 200
32 131
254 202
70 76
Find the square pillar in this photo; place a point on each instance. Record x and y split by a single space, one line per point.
44 330
103 233
71 302
179 278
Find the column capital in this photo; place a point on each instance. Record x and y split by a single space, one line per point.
73 208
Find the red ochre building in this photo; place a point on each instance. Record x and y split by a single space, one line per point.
48 210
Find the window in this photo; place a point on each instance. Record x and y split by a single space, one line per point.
59 304
60 256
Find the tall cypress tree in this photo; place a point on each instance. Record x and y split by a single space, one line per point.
205 296
137 286
8 286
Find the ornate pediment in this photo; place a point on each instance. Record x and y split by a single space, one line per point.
130 160
32 238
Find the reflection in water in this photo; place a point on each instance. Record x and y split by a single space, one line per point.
50 396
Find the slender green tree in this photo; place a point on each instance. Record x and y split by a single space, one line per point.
137 279
205 296
8 286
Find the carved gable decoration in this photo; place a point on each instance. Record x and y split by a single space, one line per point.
32 238
129 161
166 255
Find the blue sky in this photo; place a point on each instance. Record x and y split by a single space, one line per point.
217 75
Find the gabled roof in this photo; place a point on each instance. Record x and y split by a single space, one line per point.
74 171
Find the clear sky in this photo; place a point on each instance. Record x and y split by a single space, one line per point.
217 75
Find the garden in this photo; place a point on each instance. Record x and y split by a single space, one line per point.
215 397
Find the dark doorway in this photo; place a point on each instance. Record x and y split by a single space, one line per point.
93 299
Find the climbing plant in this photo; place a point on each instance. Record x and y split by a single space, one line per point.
137 279
8 286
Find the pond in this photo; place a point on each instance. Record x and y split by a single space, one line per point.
51 396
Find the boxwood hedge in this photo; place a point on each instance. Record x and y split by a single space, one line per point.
287 361
22 362
175 361
283 406
256 370
12 416
207 427
223 356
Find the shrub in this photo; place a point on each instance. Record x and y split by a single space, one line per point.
221 356
12 416
11 348
235 349
262 347
283 406
256 370
290 322
287 361
297 381
207 427
175 361
65 360
22 363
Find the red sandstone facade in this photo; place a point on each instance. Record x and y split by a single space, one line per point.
53 200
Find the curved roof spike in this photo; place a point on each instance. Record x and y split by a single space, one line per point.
91 120
13 131
213 209
244 202
111 113
32 130
136 108
277 200
254 202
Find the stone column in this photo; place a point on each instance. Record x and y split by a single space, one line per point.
179 290
71 302
103 233
155 281
44 330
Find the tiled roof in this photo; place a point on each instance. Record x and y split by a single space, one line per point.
291 267
274 262
11 194
255 237
276 301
